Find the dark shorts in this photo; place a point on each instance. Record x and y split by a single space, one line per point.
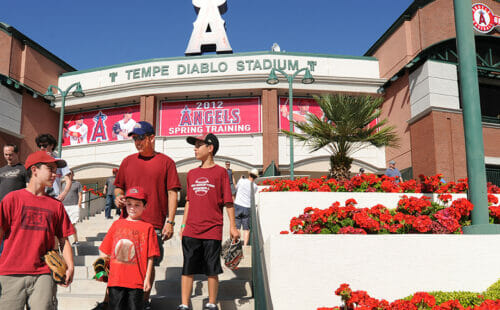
123 298
242 217
157 260
201 256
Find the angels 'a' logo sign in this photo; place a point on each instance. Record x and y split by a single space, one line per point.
209 31
483 18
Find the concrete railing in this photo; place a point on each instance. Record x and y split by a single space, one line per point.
311 267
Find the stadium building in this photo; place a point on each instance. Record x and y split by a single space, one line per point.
413 66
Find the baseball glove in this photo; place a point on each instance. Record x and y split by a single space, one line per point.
57 266
101 268
232 253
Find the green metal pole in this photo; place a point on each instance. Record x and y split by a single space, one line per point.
61 120
469 89
290 117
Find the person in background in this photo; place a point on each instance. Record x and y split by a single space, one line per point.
12 175
231 178
109 191
393 172
361 172
73 203
243 202
47 142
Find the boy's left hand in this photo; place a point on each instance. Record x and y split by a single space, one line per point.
235 233
147 285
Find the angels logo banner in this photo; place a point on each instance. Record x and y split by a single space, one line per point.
100 125
301 107
218 116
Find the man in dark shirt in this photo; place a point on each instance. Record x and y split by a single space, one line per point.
109 191
12 175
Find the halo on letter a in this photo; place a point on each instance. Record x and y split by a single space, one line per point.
209 31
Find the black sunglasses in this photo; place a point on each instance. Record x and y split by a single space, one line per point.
43 145
140 137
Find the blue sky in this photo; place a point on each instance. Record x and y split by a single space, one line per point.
89 34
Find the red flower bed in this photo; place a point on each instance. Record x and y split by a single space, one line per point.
372 183
362 301
413 215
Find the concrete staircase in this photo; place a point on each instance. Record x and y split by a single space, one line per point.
234 286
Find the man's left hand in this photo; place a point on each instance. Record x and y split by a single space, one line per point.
167 232
235 233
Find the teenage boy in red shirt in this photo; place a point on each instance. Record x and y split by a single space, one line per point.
208 191
131 244
30 221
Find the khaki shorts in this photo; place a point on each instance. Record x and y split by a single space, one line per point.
38 291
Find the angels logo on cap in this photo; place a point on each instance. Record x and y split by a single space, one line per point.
133 191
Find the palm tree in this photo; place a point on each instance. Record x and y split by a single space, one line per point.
344 129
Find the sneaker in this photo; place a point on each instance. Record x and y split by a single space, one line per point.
76 243
210 307
182 307
147 305
101 306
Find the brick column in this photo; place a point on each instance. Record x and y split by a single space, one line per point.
270 127
148 109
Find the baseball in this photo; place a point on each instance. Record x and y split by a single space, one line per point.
124 250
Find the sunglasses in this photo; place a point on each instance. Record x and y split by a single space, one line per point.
140 137
43 145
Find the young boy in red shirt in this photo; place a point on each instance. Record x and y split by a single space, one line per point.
30 221
208 191
131 244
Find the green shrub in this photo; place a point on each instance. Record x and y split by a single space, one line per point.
466 299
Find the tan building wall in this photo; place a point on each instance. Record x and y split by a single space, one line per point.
396 109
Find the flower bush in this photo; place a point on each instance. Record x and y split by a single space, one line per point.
419 301
372 183
412 215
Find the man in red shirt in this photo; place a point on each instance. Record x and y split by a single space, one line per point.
157 174
208 192
30 221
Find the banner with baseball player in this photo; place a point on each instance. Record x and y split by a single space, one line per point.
218 116
301 107
100 125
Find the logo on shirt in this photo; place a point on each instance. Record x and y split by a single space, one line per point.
201 186
125 251
11 173
34 218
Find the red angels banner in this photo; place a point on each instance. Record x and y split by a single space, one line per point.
218 116
100 125
301 107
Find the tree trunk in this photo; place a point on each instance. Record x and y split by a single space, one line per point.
340 165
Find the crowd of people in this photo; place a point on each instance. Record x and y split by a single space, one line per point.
39 214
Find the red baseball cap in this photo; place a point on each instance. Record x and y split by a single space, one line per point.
43 157
136 193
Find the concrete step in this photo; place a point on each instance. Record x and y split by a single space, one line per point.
173 273
170 288
88 301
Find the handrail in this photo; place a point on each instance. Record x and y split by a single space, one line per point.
260 284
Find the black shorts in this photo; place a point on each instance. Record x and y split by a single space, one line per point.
201 256
123 298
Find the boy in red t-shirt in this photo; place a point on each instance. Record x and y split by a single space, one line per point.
131 244
30 221
208 191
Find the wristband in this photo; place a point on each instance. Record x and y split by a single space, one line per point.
183 225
